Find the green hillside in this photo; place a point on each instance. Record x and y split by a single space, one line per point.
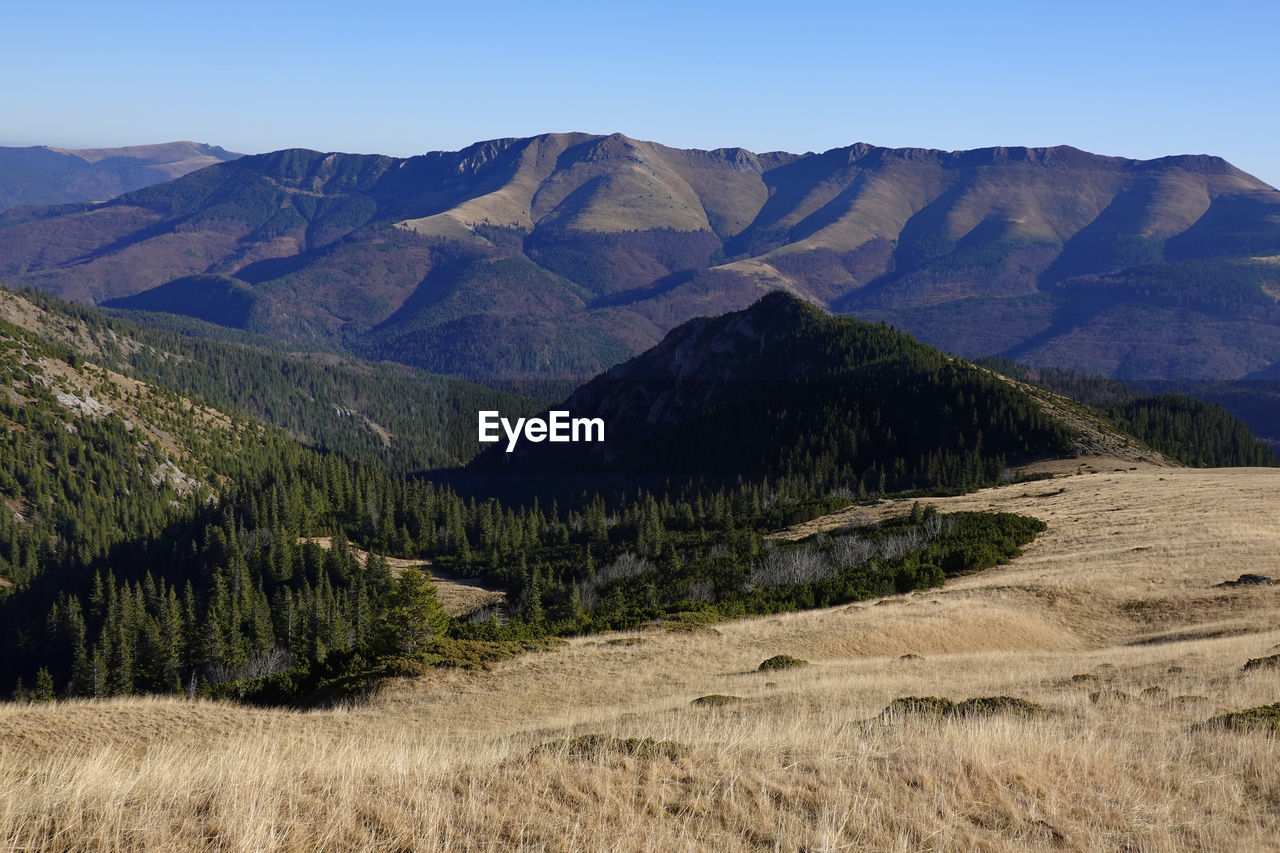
1193 431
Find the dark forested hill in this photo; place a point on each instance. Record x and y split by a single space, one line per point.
784 390
560 255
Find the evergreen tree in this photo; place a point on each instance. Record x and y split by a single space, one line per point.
414 617
43 691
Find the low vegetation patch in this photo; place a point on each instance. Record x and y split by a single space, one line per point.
1268 662
1264 718
595 746
930 706
939 707
691 620
781 662
1249 580
987 706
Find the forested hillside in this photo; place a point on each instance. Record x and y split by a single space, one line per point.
1190 430
91 458
409 419
165 546
784 390
152 543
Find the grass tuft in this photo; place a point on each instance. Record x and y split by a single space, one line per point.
596 746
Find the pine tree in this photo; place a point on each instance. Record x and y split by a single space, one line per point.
44 687
414 615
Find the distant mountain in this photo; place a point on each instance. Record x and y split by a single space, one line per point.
40 175
784 390
560 255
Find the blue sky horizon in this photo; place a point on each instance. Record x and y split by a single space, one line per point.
401 78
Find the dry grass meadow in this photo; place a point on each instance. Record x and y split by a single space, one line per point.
1118 598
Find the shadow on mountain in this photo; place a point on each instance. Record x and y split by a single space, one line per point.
217 299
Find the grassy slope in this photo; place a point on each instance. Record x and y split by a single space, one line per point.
1132 555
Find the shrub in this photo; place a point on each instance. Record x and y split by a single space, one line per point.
1265 718
942 708
932 706
781 662
986 706
1248 580
1100 697
692 620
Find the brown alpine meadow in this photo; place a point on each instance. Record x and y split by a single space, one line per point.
1115 622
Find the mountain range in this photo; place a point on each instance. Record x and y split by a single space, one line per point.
560 255
40 175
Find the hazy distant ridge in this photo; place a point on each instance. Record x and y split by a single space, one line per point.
42 175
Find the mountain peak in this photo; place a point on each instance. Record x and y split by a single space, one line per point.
780 388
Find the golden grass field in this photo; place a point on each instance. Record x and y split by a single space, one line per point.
1119 594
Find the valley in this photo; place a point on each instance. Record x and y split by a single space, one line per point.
640 428
822 586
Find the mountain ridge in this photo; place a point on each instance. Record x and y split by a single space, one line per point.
556 256
44 174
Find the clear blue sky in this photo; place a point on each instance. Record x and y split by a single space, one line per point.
1138 79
